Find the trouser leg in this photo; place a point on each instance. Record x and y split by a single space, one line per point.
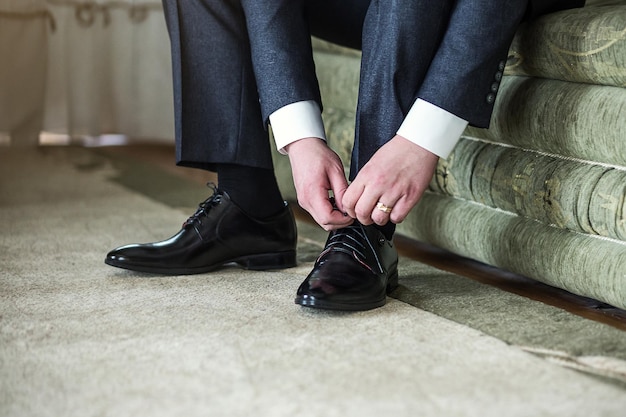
217 113
400 39
235 62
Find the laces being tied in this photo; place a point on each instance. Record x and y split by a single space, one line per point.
353 241
205 206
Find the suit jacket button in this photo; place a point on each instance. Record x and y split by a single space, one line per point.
498 75
491 98
495 87
501 65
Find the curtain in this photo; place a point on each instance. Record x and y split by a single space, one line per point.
82 69
23 62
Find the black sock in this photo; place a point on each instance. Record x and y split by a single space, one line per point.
254 190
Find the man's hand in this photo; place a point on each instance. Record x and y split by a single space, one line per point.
317 169
395 176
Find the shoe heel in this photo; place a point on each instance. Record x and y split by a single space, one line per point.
392 284
263 261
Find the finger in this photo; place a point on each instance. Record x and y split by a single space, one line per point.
338 185
365 206
351 196
382 214
337 221
334 220
323 212
401 210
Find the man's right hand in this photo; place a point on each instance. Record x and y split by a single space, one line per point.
316 170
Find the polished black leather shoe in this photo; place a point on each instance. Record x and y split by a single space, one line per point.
355 271
217 234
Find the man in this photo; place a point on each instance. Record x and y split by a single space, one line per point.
428 69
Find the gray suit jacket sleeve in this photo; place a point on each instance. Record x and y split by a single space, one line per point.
282 59
465 74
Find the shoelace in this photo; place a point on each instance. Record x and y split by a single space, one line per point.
205 206
351 240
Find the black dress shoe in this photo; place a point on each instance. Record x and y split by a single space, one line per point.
217 234
355 271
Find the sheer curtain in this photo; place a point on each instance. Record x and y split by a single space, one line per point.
84 68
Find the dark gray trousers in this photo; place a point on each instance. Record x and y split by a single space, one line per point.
237 61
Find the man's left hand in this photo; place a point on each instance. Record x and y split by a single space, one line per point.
396 177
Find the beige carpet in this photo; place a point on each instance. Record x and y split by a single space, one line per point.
79 338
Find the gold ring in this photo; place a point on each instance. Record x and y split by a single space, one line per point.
380 206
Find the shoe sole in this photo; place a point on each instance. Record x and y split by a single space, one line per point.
323 304
257 262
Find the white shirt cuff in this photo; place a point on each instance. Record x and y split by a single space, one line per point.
432 128
296 121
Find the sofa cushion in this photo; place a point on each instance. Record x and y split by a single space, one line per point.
581 45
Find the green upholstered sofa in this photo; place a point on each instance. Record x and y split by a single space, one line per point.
542 193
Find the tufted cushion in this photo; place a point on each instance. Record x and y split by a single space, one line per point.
581 45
